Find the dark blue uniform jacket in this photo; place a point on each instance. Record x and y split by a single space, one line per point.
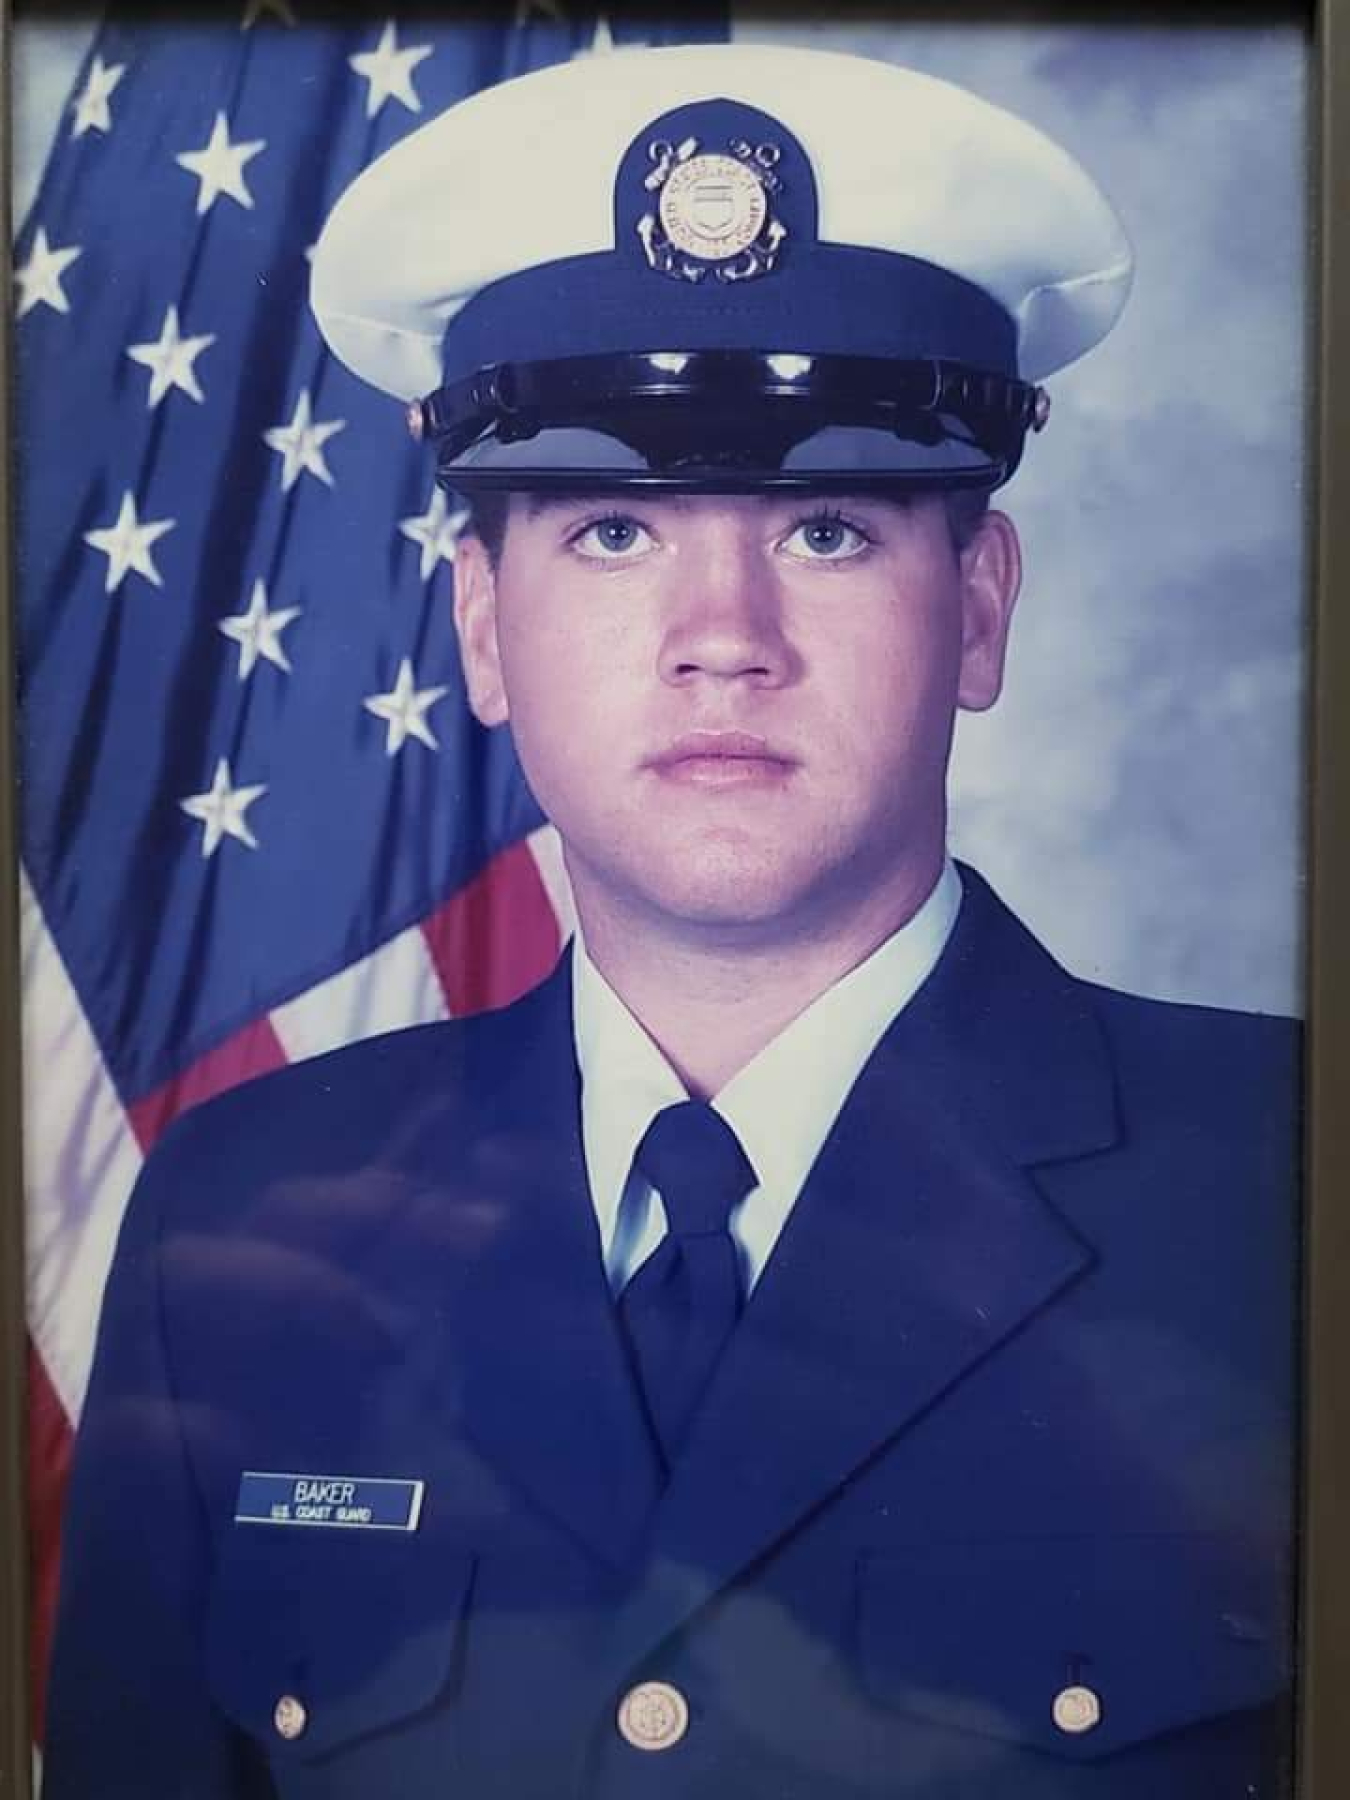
1008 1411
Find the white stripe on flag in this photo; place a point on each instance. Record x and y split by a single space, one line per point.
81 1160
545 847
396 985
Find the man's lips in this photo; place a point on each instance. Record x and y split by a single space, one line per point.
721 758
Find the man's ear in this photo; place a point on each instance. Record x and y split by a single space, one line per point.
476 626
991 574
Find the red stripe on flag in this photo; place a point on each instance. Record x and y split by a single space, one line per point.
49 1444
255 1050
496 938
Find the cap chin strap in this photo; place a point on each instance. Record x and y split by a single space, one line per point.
716 418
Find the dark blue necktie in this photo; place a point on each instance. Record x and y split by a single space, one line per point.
679 1308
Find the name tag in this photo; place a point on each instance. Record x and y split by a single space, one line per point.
350 1502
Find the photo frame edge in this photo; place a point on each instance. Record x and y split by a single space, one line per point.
1322 1726
1323 1738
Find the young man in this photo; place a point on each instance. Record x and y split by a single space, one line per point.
813 1345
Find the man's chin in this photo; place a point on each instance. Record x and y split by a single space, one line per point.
734 903
737 888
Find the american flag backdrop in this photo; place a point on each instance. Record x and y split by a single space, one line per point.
257 819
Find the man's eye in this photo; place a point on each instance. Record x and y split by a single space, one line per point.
825 539
616 538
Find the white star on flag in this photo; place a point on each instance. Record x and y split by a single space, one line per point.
254 10
258 632
219 166
300 444
170 359
221 810
126 544
389 71
40 277
436 531
404 709
90 105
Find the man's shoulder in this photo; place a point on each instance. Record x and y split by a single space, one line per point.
1001 950
1173 1070
1001 944
1222 1085
444 1051
361 1104
1186 1042
1189 1029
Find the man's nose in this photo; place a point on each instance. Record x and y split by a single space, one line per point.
725 613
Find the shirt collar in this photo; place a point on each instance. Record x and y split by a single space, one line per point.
625 1082
782 1104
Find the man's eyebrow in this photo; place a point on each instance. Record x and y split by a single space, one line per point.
615 498
537 504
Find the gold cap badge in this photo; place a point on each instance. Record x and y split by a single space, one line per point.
713 211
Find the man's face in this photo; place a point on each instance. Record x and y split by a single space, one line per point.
738 710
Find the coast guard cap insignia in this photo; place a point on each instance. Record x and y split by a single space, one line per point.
714 210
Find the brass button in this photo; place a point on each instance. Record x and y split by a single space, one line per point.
653 1715
1076 1709
289 1717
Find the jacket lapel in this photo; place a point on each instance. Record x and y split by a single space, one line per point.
919 1244
547 1393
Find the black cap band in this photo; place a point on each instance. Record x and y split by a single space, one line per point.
721 418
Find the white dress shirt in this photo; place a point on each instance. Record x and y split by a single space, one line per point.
781 1105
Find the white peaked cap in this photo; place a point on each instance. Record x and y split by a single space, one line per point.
523 174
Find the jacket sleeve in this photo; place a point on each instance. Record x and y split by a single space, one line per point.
129 1713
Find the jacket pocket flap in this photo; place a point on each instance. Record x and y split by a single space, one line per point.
1161 1631
361 1629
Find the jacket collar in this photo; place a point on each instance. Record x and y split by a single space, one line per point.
919 1244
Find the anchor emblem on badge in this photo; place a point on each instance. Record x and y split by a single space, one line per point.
713 210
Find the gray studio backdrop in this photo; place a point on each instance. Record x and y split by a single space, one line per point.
1137 794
